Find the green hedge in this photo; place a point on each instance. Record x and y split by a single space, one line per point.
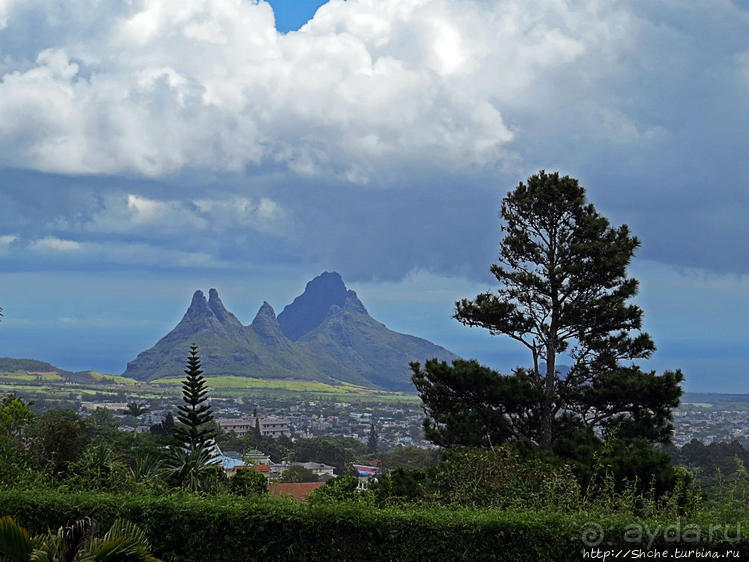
235 529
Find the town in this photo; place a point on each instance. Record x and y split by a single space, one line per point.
399 423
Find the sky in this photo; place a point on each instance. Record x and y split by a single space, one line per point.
150 148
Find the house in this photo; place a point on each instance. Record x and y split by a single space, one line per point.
254 456
228 461
275 427
116 407
271 426
240 426
365 473
323 471
318 468
366 470
263 469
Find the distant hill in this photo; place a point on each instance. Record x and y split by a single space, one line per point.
325 334
11 365
20 369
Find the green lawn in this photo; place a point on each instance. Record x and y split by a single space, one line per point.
221 387
231 381
24 376
117 379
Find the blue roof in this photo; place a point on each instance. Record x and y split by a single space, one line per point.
228 463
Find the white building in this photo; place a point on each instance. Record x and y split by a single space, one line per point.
271 427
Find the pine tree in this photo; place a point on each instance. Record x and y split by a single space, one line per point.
564 295
194 429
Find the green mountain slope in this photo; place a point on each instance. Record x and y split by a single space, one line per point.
11 365
325 335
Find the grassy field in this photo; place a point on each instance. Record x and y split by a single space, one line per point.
244 386
222 382
52 390
116 379
55 386
24 376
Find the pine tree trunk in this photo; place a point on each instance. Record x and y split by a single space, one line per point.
549 389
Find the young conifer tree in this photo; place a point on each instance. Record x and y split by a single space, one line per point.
372 441
194 429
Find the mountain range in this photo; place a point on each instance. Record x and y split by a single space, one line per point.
325 334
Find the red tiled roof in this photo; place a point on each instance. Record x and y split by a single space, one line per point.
298 490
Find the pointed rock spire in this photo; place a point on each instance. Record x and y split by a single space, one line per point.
198 307
354 304
199 316
217 307
267 327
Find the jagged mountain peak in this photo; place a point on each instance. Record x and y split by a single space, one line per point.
219 310
312 307
198 306
354 304
208 314
265 310
333 338
267 327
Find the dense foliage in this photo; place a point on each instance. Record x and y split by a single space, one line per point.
298 473
332 451
193 528
248 482
543 496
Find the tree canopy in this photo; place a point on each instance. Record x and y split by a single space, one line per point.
565 296
334 451
298 473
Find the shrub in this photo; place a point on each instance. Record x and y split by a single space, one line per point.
248 482
228 528
340 489
98 469
501 478
399 487
297 473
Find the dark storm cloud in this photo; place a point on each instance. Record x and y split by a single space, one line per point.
393 158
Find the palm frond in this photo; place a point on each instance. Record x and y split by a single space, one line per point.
15 542
124 542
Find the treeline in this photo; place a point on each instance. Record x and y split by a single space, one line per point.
339 452
712 464
59 448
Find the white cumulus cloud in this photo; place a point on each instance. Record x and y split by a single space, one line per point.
50 243
157 86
